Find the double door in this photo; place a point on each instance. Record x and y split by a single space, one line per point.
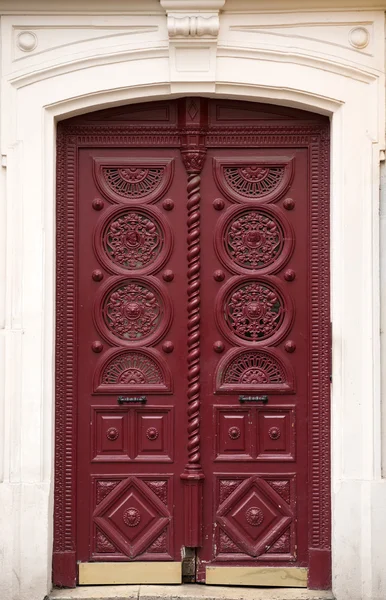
193 336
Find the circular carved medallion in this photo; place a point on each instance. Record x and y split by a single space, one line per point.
135 240
253 239
252 310
133 311
254 516
131 517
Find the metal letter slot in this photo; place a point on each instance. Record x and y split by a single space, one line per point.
127 400
263 399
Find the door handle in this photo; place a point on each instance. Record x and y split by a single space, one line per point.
128 400
263 399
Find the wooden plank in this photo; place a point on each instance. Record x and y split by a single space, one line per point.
110 573
263 576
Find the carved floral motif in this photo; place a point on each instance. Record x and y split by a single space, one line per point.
253 311
159 545
132 240
226 545
131 517
132 368
103 489
133 182
253 181
253 240
227 486
254 516
254 367
160 488
132 311
103 544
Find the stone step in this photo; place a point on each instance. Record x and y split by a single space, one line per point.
185 592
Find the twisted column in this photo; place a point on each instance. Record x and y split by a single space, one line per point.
193 475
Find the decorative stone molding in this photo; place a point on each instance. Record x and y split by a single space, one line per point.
192 18
193 26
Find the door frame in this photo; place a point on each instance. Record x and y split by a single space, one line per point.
316 138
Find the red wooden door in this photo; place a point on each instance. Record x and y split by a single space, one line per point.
193 347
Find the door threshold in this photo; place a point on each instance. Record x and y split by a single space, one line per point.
186 592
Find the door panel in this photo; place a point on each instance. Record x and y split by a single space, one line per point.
132 355
192 346
255 307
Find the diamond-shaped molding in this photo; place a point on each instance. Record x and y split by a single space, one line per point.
254 516
132 516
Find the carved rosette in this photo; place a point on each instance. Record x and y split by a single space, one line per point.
193 159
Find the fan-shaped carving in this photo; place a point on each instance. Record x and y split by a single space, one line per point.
133 180
253 370
246 179
133 371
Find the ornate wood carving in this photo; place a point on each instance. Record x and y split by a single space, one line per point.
193 135
193 155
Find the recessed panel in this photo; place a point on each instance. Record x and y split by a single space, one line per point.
153 435
110 435
276 435
233 440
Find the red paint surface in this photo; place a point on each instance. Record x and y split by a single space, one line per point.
192 270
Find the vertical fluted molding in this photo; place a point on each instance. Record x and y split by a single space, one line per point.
193 476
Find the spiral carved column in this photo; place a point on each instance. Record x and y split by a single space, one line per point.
193 476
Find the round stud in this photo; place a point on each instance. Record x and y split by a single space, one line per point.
168 347
152 433
27 41
97 275
290 346
97 347
97 204
218 204
359 37
234 433
289 275
112 434
218 347
168 204
289 204
168 275
274 433
219 275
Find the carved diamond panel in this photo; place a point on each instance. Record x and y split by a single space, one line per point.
135 240
132 311
131 516
133 180
254 516
245 180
